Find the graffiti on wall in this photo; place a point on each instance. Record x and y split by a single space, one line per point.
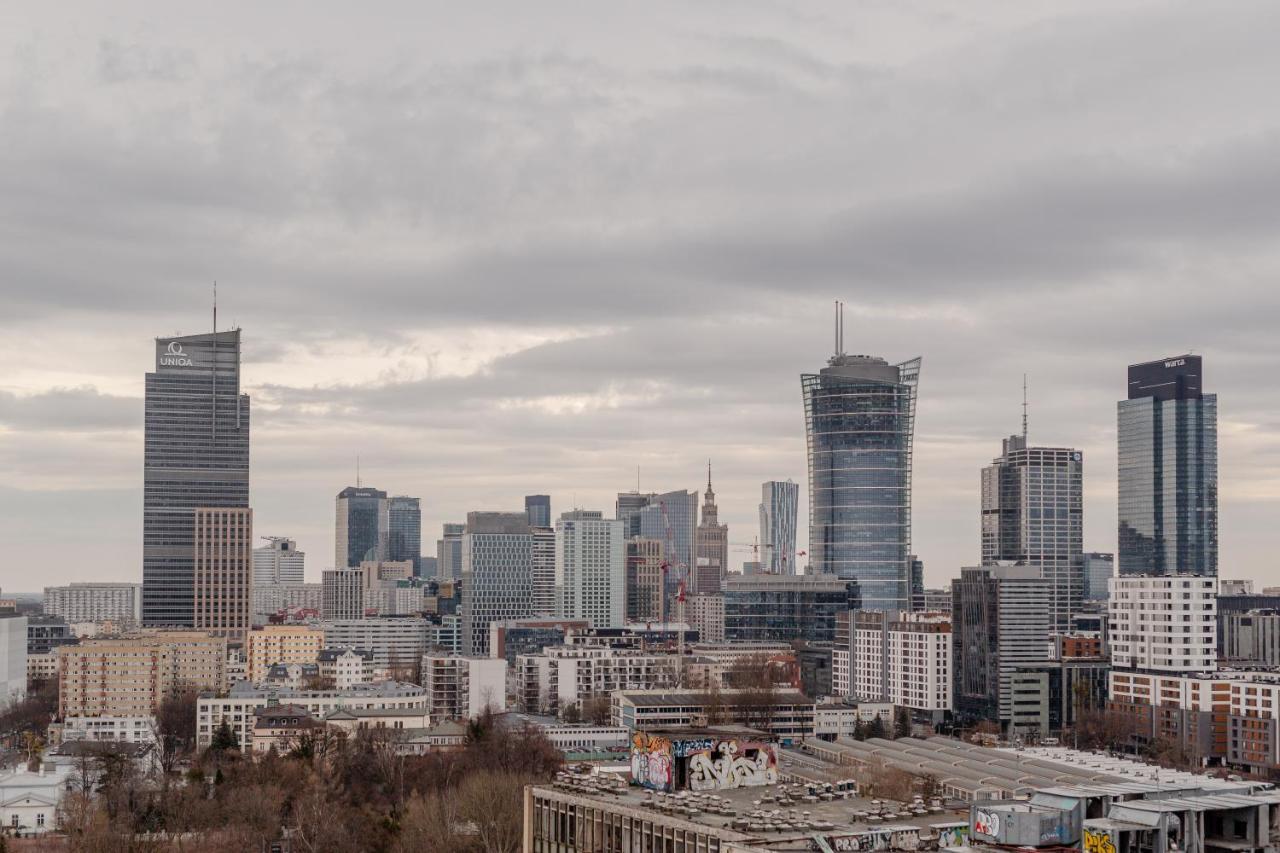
988 823
652 762
889 838
1098 842
732 764
952 835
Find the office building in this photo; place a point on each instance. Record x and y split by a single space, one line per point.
1167 434
45 633
706 616
655 516
13 659
937 601
779 503
1236 586
362 526
196 456
1049 697
463 688
563 677
646 593
1097 569
269 601
342 594
449 551
404 531
711 545
1252 638
397 642
788 714
1032 515
544 570
538 510
224 572
901 658
590 568
278 562
785 608
273 644
1165 624
95 602
497 575
129 676
917 582
859 425
1000 620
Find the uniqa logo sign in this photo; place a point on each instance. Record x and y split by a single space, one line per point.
174 356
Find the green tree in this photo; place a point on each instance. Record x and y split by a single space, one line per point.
876 728
901 722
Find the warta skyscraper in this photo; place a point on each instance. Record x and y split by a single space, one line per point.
859 424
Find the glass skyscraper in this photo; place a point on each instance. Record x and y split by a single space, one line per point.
778 502
196 455
361 526
404 537
859 423
538 508
1168 471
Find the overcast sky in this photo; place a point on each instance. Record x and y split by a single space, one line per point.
505 248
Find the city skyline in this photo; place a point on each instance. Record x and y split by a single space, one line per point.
479 323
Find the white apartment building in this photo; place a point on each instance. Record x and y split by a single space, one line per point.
1164 624
347 667
461 688
95 602
591 569
396 641
342 594
706 615
133 729
902 658
279 562
841 719
13 659
564 676
268 600
237 707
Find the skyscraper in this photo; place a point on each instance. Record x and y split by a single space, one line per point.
646 595
538 509
859 425
196 456
342 594
224 572
1168 460
778 509
1032 515
497 575
544 570
404 531
654 516
361 527
590 568
712 545
449 551
278 562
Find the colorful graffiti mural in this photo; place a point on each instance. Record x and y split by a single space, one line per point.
733 764
987 823
952 834
1098 842
888 838
652 762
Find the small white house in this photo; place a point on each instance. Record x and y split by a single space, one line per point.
29 799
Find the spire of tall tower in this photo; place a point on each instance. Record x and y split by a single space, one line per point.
1024 408
709 477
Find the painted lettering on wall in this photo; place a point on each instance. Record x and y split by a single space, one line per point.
733 764
652 762
1098 842
988 823
889 838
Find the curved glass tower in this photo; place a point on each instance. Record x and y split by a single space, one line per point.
859 422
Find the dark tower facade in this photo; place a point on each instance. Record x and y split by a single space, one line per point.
196 456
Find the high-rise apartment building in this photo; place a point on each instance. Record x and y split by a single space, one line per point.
1097 569
646 594
273 644
859 426
95 602
1167 434
711 547
397 642
669 516
705 614
463 688
342 594
538 509
497 575
224 572
404 531
1164 624
449 551
903 658
1000 620
129 676
13 659
362 526
544 570
1032 515
196 456
278 562
778 509
590 569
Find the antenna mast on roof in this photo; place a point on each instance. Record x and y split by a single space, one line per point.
1024 408
357 471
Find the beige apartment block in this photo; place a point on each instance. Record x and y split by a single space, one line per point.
131 676
272 644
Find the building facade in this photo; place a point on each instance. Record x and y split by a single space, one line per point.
497 575
544 570
1167 433
785 608
397 642
1097 569
278 562
538 510
1164 624
706 616
95 602
13 659
902 658
362 525
859 427
779 506
131 676
196 455
670 518
711 545
224 572
590 569
1032 515
272 644
449 551
463 688
342 594
646 593
404 531
1251 638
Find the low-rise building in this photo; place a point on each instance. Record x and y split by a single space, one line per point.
345 668
847 719
785 714
281 727
136 729
396 720
29 799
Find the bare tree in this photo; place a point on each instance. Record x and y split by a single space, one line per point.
175 728
597 710
494 804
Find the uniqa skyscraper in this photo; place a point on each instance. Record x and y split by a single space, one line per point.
196 461
1168 465
859 422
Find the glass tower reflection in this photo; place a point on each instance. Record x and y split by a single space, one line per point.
859 424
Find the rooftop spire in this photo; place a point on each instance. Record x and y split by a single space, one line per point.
1024 408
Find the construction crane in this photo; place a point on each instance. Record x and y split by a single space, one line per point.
668 549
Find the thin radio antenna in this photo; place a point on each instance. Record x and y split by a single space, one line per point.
1024 407
357 471
215 306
